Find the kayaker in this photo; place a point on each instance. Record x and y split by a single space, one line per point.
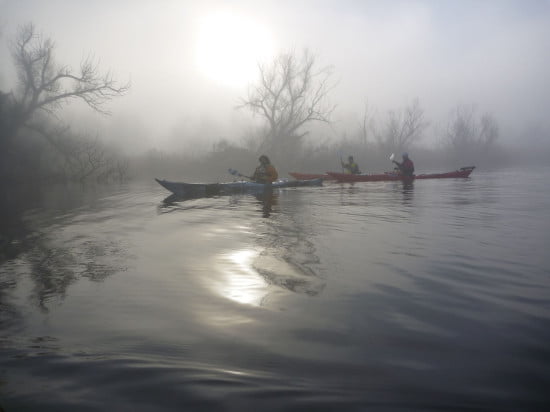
351 167
265 172
406 167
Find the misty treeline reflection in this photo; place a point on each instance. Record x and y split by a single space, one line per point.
31 245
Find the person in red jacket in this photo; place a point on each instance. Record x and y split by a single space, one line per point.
406 167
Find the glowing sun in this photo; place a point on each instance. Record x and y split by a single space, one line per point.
230 46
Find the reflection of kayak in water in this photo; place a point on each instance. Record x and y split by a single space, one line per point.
345 177
288 274
213 189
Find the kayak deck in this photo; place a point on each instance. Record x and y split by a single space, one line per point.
183 189
391 176
308 176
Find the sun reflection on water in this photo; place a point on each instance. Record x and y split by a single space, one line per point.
241 282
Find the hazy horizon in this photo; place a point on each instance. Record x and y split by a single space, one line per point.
189 62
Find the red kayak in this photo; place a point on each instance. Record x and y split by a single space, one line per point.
389 176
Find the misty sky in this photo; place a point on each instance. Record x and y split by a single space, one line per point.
190 61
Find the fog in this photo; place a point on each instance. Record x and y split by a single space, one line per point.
191 62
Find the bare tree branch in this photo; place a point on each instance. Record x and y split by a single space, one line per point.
43 86
403 127
469 136
289 95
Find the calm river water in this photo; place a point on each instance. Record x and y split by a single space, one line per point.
372 296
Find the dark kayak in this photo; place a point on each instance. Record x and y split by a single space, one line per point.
214 189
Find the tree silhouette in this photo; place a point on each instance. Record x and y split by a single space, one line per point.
291 93
469 136
44 86
402 128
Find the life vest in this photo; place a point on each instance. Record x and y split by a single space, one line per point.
267 174
407 167
352 168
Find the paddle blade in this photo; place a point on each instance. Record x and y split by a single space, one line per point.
392 156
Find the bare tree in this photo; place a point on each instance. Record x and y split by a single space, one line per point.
44 86
403 127
489 132
462 127
364 125
290 94
469 136
77 156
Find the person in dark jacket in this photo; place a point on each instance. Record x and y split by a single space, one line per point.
406 167
265 172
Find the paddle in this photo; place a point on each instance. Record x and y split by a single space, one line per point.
236 173
392 158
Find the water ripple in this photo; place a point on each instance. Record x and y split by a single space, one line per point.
344 297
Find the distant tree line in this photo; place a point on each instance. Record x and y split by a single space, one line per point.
291 98
292 95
